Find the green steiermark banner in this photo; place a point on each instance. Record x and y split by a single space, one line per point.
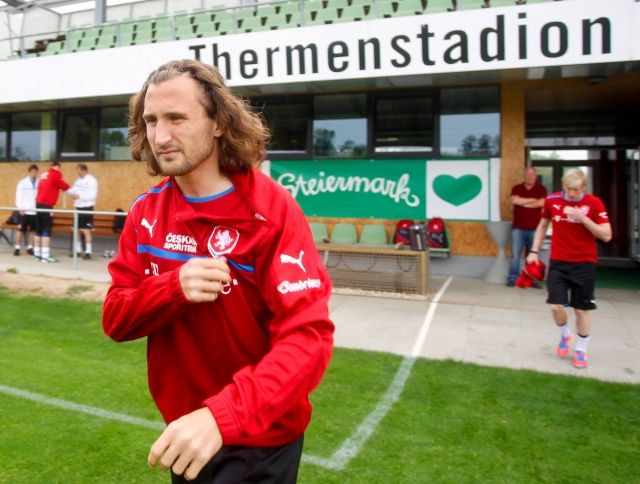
356 188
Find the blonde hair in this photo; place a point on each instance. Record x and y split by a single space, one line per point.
574 178
244 134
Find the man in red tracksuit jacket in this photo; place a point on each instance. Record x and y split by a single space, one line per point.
50 184
218 269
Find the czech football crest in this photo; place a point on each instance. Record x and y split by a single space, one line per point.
222 240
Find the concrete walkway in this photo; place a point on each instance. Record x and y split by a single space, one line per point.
474 321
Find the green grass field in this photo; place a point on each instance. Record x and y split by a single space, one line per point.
453 422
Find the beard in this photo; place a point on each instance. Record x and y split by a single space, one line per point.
185 160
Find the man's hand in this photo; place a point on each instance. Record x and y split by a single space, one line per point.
202 280
575 214
187 444
531 257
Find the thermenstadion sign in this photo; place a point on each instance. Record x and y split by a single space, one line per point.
355 188
522 36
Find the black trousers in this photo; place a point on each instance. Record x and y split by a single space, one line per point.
265 465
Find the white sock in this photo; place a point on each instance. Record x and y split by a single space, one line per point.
30 247
78 247
45 252
36 251
17 247
581 343
564 330
88 249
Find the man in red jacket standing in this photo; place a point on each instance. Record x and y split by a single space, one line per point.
217 268
49 186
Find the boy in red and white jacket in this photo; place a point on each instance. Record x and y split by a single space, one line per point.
579 219
218 269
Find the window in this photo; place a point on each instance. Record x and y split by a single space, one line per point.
33 136
340 126
79 135
113 134
4 137
404 124
287 119
470 121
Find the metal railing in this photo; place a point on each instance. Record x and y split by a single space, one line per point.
75 214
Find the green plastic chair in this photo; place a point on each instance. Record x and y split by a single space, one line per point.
502 3
410 7
182 19
435 6
337 4
202 18
354 12
226 26
144 37
319 231
469 4
53 48
162 24
344 233
185 31
292 11
280 21
384 8
252 24
373 234
105 41
163 35
206 30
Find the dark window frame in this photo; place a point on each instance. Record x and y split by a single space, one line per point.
101 127
62 114
368 118
7 157
432 93
498 112
12 131
259 101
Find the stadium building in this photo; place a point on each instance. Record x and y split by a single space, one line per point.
383 110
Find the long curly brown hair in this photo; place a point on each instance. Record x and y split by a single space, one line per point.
244 137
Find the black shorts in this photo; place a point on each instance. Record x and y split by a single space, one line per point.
44 221
27 222
85 220
267 465
572 283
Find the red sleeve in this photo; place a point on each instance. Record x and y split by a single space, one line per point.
60 183
300 331
600 215
137 306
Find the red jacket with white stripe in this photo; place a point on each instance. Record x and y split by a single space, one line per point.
254 354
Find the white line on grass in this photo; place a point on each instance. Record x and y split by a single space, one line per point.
352 445
339 459
76 407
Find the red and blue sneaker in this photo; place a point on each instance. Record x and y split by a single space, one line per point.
580 359
563 347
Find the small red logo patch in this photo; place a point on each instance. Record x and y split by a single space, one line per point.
222 240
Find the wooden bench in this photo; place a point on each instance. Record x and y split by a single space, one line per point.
377 268
102 224
323 229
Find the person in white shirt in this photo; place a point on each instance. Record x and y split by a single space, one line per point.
26 190
84 192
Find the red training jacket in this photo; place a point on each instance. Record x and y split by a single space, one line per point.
49 184
253 355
